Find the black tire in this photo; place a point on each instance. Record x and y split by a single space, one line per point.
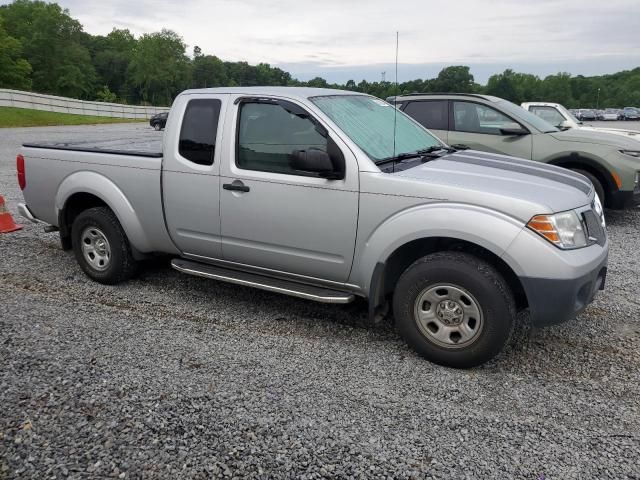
473 275
596 183
121 265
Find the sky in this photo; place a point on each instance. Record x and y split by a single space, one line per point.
355 39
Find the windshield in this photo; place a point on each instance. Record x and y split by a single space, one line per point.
526 116
568 114
369 122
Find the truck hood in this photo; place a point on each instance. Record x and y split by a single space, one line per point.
599 136
519 188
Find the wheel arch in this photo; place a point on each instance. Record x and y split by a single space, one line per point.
386 274
84 190
581 162
419 231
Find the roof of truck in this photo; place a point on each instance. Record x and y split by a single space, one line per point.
539 104
418 96
293 92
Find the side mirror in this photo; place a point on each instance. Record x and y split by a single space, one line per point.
564 125
513 129
316 162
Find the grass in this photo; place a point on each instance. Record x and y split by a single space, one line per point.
24 117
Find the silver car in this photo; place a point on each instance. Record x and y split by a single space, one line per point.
482 122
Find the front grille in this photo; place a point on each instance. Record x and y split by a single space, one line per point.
594 227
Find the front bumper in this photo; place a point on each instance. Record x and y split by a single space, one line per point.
625 199
553 301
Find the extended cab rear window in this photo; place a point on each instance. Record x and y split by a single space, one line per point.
199 129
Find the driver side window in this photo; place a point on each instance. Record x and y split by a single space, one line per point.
268 135
476 118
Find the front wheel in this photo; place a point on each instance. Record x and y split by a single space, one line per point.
101 246
454 309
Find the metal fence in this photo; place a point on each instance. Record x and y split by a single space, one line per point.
51 103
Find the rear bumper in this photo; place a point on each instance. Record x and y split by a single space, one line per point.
24 211
553 301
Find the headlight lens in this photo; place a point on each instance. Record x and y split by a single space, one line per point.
564 229
632 153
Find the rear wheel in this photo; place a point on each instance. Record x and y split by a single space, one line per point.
596 183
454 309
101 246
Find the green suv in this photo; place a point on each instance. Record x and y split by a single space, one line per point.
491 124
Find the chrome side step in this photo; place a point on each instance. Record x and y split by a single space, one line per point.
301 290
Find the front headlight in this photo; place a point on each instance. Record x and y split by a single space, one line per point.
631 153
564 229
597 206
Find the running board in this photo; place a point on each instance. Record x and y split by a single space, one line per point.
301 290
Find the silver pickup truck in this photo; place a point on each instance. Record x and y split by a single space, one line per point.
328 195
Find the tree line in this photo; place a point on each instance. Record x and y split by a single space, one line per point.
43 49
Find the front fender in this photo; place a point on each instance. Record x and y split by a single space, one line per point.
109 193
491 230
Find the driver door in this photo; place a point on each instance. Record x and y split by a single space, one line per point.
274 217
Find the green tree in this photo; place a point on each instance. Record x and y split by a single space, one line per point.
15 71
54 44
111 57
557 88
159 68
106 95
318 82
502 85
209 71
455 79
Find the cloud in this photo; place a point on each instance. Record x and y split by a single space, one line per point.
359 35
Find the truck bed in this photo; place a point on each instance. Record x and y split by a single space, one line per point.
151 147
123 173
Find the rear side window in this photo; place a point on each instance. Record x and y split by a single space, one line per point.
199 129
431 114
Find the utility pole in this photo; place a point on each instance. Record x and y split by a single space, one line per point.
384 74
598 99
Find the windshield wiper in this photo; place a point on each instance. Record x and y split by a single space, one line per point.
418 153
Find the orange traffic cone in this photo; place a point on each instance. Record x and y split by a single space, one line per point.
6 221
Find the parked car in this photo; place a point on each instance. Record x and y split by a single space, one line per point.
599 114
159 120
630 113
328 195
610 161
585 114
611 114
557 115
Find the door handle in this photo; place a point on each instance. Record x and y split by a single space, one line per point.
237 186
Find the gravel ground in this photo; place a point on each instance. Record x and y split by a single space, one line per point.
171 376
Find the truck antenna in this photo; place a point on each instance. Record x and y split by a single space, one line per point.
395 107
